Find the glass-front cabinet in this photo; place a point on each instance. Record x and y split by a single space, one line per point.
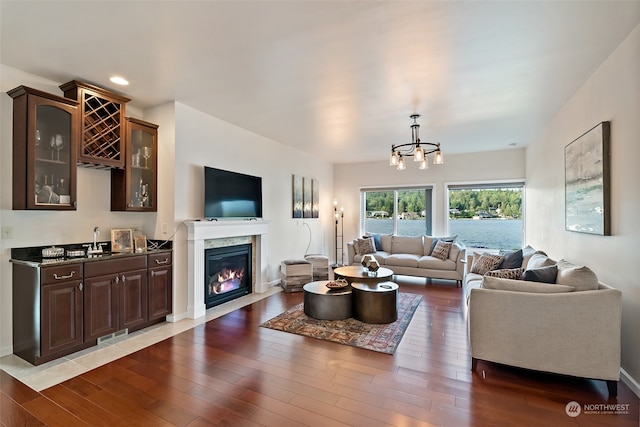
134 188
45 137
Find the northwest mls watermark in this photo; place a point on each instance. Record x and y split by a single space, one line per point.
573 409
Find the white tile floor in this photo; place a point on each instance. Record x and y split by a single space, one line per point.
59 370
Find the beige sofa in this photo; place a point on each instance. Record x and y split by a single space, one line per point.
413 256
570 327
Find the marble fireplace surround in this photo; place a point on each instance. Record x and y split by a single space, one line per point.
199 233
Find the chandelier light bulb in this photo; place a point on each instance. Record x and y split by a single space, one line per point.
418 155
393 160
401 165
424 164
438 159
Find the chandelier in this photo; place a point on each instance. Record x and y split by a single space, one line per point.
416 149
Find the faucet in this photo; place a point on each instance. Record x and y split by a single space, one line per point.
95 249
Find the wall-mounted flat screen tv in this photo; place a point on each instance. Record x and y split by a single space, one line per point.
231 194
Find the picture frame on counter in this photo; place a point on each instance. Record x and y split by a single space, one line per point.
140 242
121 240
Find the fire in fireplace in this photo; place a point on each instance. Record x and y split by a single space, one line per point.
227 273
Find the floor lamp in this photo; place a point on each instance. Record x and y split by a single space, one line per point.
339 218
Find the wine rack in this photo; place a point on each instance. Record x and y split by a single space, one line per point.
102 124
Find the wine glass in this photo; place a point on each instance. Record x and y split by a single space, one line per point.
52 145
38 137
146 153
59 142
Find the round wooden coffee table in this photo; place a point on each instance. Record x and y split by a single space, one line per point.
356 273
323 303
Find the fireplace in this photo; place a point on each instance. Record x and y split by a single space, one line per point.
202 235
227 273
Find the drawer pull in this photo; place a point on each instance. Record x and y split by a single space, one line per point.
166 261
55 276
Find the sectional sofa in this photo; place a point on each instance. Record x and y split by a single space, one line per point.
560 320
423 256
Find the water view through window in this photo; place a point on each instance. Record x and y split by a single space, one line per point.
481 216
484 217
413 207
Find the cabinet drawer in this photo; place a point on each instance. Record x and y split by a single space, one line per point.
160 260
61 273
113 266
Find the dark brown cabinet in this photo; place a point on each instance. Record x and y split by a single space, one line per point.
45 139
160 285
54 326
101 141
61 317
60 309
134 188
115 296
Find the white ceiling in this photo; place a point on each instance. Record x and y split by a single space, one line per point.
338 79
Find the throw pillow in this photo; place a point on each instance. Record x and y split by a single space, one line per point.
506 273
441 251
580 277
366 246
484 263
489 282
539 260
435 240
511 259
377 240
541 274
527 253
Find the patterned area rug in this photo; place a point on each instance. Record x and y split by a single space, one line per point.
382 338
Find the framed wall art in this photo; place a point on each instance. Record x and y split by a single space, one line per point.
587 182
121 240
315 198
306 197
297 196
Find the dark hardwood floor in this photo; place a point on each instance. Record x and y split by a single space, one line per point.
231 372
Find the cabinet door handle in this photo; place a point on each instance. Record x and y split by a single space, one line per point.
69 276
117 279
165 261
123 278
80 286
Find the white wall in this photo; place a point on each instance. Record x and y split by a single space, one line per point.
613 94
202 140
458 168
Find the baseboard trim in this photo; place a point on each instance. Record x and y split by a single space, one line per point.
5 351
630 382
172 318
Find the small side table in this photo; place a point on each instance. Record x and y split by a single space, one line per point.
323 303
375 302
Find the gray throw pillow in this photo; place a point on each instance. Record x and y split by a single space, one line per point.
541 274
511 259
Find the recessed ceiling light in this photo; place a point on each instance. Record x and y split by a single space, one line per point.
119 80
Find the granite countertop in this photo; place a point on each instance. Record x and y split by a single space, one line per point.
32 256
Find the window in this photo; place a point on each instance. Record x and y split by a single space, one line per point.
487 215
401 211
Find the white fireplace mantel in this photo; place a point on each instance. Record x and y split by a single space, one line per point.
200 231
